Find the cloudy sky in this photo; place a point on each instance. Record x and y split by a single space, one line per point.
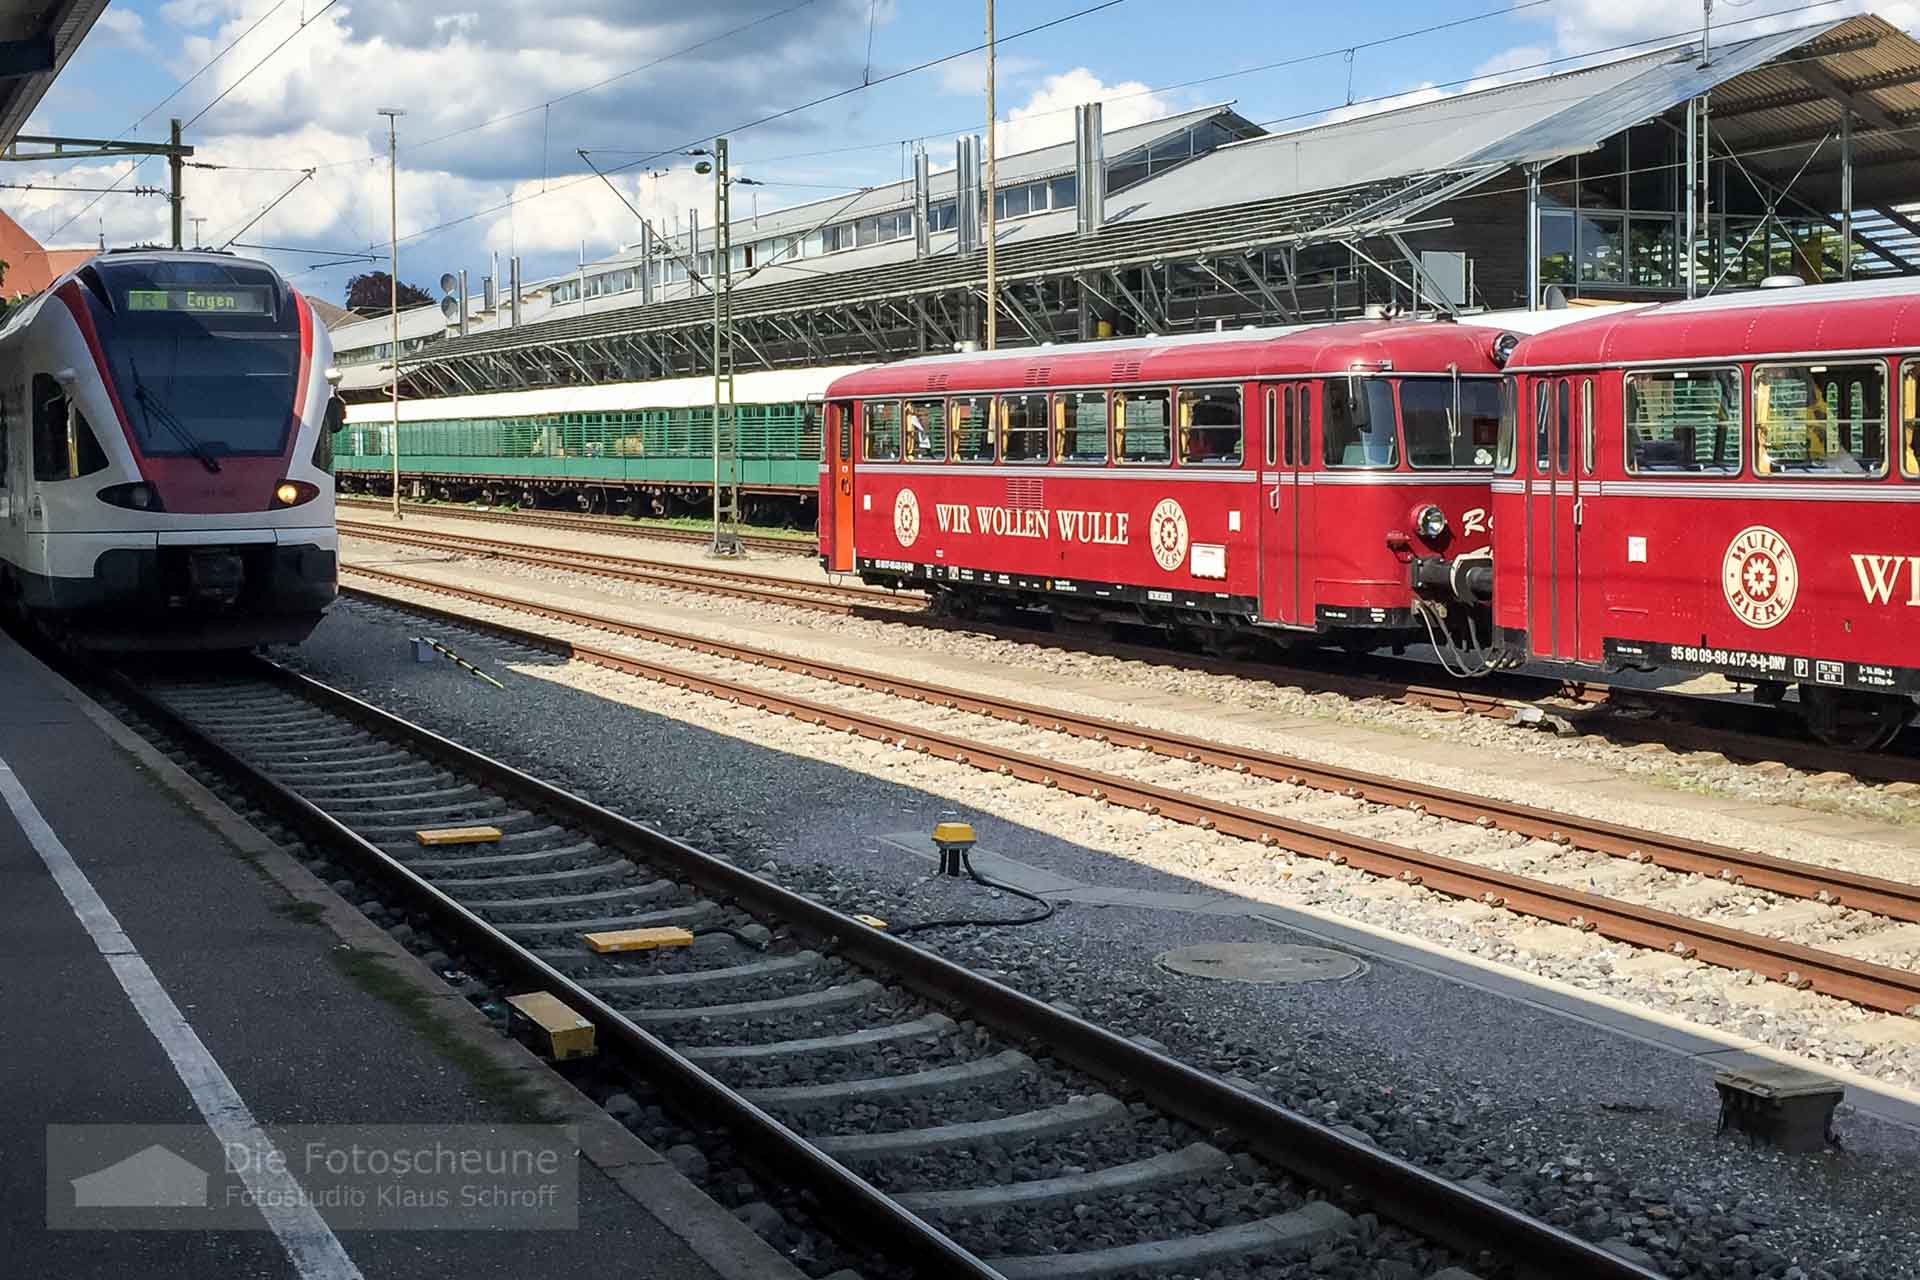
500 96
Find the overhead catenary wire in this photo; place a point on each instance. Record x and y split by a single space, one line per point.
295 34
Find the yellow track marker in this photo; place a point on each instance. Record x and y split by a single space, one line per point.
872 922
458 835
639 939
546 1025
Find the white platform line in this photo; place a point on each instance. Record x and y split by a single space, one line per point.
316 1253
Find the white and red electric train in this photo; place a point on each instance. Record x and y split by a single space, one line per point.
166 455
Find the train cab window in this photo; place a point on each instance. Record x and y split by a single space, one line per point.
1081 419
1564 419
974 438
1509 441
881 442
1820 419
64 445
1023 428
1683 420
927 430
1543 426
1586 426
1909 420
1357 424
1441 433
1143 421
1211 427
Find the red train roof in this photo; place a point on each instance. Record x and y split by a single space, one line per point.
1864 316
1421 346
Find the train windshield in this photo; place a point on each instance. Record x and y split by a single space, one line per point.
203 354
1443 433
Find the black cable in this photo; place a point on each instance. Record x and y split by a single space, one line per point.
966 860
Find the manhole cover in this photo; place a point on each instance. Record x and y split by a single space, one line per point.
1268 963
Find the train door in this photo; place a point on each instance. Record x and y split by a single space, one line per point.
1282 593
1562 414
837 523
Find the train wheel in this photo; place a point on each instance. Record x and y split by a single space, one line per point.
1852 719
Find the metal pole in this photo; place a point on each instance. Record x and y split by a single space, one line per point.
1693 205
393 282
726 496
176 163
1846 191
993 286
1533 237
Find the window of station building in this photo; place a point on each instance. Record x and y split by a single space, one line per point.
64 445
1820 419
1653 252
1556 248
927 430
1356 425
881 440
974 438
1082 420
1602 248
943 215
1442 434
1683 420
1013 202
1211 427
1065 191
1023 428
1143 421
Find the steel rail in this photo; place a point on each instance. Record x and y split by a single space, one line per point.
1424 1202
1860 982
583 523
1833 886
823 598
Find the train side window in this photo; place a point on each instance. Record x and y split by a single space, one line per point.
881 442
1586 426
1820 419
1211 427
1287 436
927 430
1683 420
1023 428
1565 420
1143 421
973 435
1543 425
1081 418
1273 423
1509 441
1909 419
1359 432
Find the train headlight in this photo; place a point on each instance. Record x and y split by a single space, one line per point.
291 493
134 497
1431 522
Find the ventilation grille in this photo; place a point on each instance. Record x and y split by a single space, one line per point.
938 381
1125 370
1037 374
1026 492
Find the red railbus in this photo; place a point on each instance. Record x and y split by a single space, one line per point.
1277 483
1725 485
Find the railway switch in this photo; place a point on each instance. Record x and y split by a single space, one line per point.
639 939
1781 1106
953 839
547 1026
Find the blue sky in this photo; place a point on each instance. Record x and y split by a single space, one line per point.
455 65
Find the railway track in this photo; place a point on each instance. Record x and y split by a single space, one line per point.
613 525
830 1050
1550 868
823 596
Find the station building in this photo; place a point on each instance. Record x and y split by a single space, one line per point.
1671 171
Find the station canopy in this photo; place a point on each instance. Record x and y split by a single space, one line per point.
36 39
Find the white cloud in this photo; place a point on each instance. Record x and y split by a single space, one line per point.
123 27
1581 26
1047 116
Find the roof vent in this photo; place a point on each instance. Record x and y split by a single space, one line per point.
1037 374
1782 282
1125 369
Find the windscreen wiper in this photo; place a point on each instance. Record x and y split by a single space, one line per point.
152 406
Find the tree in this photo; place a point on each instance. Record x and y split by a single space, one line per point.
373 291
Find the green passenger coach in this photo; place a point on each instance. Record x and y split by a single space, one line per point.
641 448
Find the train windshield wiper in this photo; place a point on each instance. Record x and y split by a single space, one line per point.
152 406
